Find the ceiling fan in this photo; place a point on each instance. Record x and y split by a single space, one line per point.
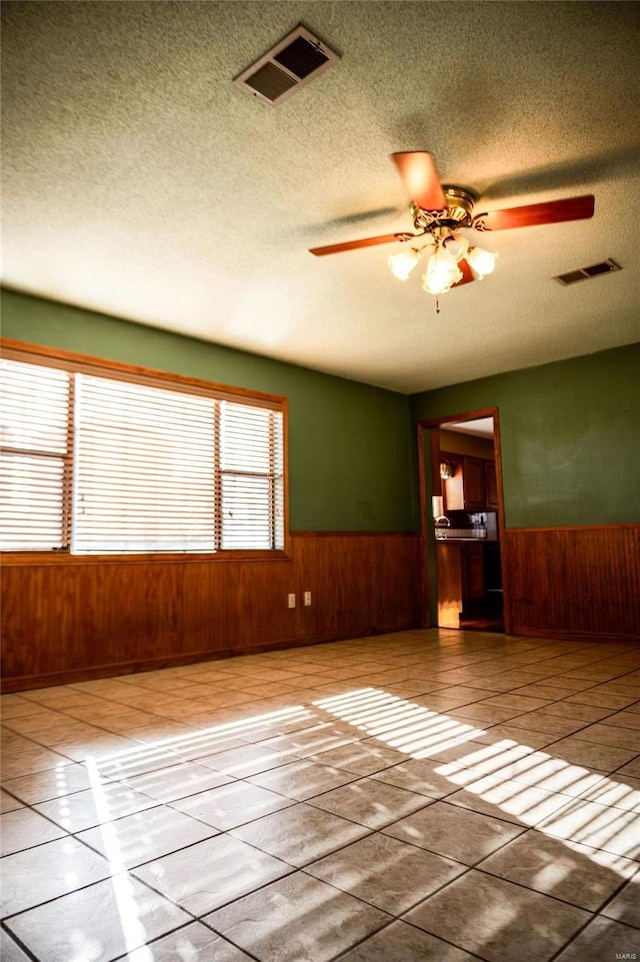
440 215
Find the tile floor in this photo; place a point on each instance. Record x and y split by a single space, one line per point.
419 796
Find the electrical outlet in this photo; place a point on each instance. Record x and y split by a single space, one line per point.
291 601
307 598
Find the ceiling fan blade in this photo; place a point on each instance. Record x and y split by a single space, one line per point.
354 245
418 171
549 212
467 274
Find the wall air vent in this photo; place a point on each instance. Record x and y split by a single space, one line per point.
585 273
299 58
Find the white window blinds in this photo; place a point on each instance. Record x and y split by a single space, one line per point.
97 465
143 474
34 420
251 477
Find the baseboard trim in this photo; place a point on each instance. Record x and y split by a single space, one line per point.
95 672
524 631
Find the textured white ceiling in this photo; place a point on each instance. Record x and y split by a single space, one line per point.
139 181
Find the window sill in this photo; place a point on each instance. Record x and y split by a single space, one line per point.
11 559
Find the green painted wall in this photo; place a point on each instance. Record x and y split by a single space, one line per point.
351 461
570 431
569 437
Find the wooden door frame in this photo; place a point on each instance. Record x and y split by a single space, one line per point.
425 515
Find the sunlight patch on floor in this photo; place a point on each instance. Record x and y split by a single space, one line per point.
133 931
515 787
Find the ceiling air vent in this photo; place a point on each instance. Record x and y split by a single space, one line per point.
299 58
584 273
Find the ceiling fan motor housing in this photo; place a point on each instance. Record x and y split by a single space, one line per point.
456 214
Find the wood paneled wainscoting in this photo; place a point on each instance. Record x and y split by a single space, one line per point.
575 582
72 619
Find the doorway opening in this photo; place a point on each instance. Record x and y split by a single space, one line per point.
463 521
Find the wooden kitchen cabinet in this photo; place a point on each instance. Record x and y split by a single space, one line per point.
473 487
473 484
449 579
465 491
460 579
473 580
491 485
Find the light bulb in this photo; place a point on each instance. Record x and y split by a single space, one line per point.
457 245
481 261
403 262
442 272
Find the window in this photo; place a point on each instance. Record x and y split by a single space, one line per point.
98 462
35 456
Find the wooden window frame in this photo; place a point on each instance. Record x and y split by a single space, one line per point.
75 363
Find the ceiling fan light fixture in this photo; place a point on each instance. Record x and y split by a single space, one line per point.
457 245
481 261
442 214
403 262
442 272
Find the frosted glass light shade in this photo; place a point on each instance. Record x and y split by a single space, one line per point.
442 273
457 245
481 261
403 263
